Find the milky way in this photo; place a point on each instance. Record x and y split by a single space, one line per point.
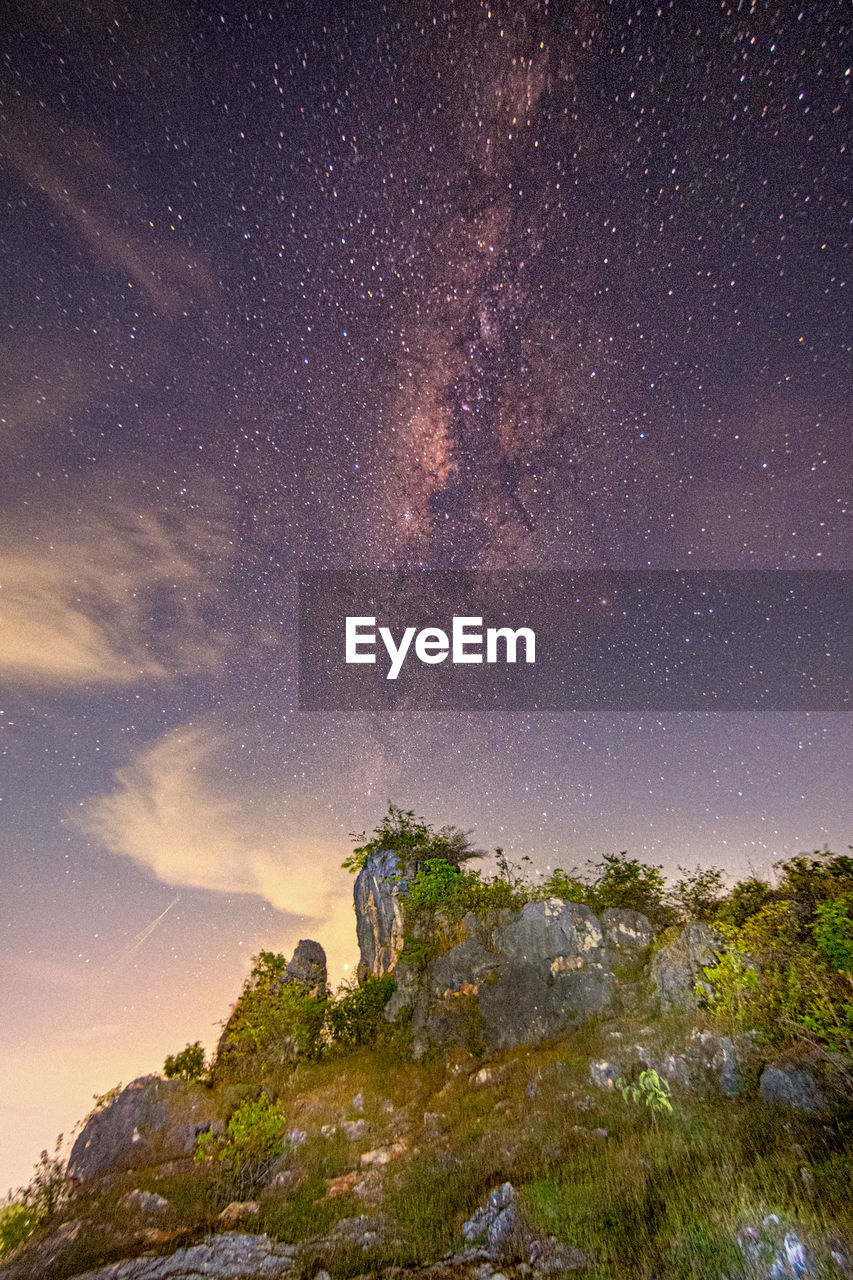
533 286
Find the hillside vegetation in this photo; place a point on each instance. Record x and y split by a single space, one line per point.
623 1144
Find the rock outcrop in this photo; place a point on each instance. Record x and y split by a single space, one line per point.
231 1256
521 977
307 966
707 1066
677 968
497 1222
789 1086
150 1120
500 1227
513 977
627 933
378 913
775 1250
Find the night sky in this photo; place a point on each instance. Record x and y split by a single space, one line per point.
344 286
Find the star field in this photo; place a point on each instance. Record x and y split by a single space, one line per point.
532 286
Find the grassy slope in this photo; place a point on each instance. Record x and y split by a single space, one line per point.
650 1200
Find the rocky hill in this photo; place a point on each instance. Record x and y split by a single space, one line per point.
526 1088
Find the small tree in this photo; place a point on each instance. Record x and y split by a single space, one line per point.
413 840
648 1089
357 1017
698 893
48 1186
35 1203
189 1064
242 1158
636 886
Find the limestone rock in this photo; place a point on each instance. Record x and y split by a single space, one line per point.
604 1073
150 1120
284 1180
533 974
791 1087
676 968
145 1203
231 1256
718 1057
551 1257
307 966
342 1185
383 1155
354 1129
238 1212
775 1250
489 1075
626 932
706 1066
365 1231
378 914
497 1222
500 1226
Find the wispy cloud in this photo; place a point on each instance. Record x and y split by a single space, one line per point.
73 170
107 596
179 812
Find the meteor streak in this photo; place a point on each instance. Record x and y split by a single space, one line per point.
142 937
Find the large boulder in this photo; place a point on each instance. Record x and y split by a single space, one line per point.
152 1120
716 1060
787 1086
522 977
627 933
379 914
677 968
308 967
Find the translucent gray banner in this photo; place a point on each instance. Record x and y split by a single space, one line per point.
662 640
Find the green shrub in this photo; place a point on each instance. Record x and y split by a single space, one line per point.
648 1089
745 899
274 1021
698 894
800 993
17 1224
189 1064
568 885
833 931
440 895
811 879
244 1155
414 841
636 886
615 881
48 1187
357 1017
34 1204
733 982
